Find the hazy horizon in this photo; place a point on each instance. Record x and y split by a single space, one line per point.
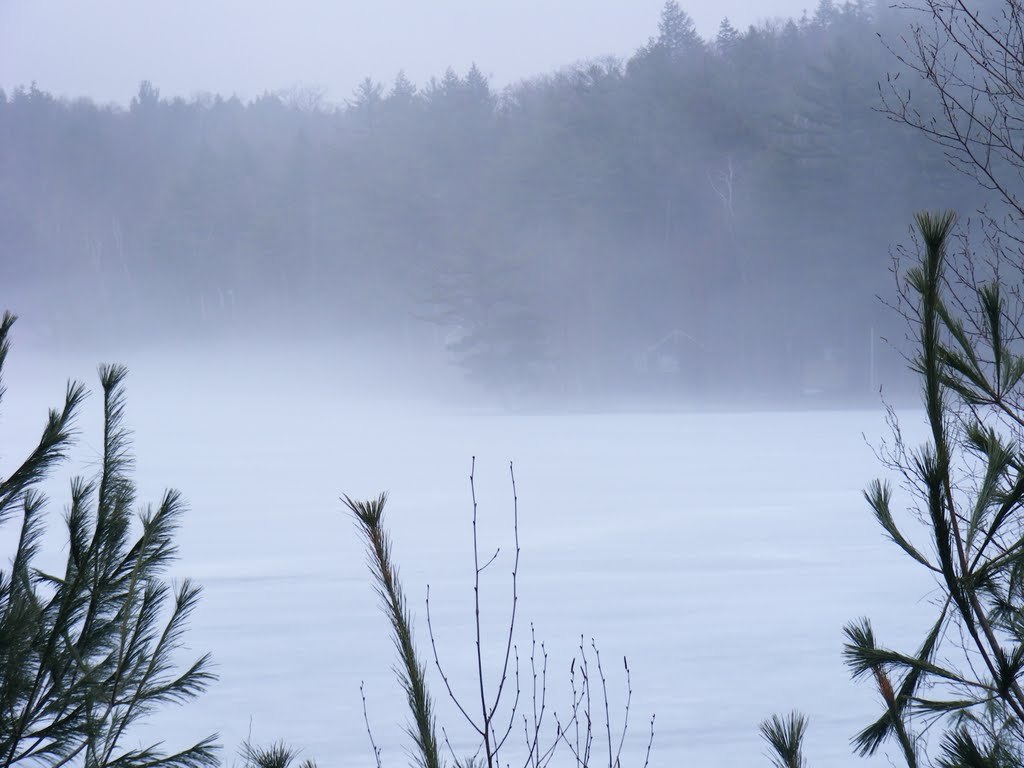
610 232
103 50
696 283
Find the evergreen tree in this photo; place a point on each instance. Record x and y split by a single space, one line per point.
402 92
477 88
727 37
825 14
677 33
147 99
967 486
87 653
444 91
366 103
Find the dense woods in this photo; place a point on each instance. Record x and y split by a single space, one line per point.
710 218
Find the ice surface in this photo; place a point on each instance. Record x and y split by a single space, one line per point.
721 553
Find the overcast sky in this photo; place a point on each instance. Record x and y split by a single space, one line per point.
104 48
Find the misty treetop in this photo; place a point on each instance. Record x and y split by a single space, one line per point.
709 216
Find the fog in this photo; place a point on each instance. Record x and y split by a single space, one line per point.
250 47
642 253
720 553
605 231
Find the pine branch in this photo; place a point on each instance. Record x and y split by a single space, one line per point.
84 655
412 674
785 738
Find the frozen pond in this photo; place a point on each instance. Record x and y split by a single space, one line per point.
720 553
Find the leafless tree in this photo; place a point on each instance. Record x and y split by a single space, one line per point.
969 55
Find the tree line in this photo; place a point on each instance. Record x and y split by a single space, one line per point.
708 218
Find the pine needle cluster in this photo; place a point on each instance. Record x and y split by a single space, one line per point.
410 671
87 653
955 700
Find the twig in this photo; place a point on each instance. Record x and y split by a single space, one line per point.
369 731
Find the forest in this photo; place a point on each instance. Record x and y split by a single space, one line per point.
708 220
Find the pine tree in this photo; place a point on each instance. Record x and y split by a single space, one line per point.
727 37
402 92
147 100
448 88
477 88
969 664
85 654
366 102
825 14
967 486
677 34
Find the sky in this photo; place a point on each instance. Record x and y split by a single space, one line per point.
103 49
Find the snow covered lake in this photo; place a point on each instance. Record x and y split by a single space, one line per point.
721 553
